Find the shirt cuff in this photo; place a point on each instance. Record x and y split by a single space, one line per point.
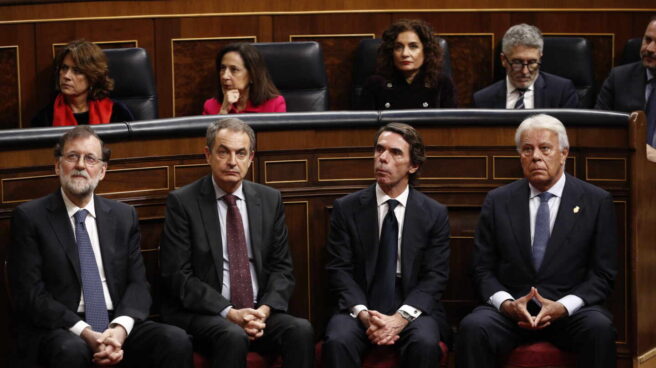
357 309
498 298
572 303
414 312
79 327
125 321
224 312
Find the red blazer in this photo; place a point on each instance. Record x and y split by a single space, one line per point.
277 104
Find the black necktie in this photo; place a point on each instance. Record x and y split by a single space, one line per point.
241 287
95 309
520 101
650 110
381 294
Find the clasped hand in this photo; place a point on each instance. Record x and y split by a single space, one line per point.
382 329
549 312
107 346
253 321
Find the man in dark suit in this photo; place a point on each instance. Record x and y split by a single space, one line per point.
631 87
525 86
544 259
225 260
388 261
77 275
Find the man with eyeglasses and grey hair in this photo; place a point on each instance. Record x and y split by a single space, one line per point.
525 86
77 277
544 259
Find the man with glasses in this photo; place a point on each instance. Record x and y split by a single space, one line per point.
632 87
525 86
545 259
77 276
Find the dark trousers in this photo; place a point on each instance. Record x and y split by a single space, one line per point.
227 343
149 344
346 342
485 335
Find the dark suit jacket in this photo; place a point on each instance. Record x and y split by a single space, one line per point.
191 254
353 250
550 91
45 267
581 254
624 89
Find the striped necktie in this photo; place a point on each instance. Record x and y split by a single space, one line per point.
520 101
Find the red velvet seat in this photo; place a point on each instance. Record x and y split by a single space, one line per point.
381 357
540 355
253 360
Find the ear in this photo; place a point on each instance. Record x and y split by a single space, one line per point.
565 152
250 158
207 153
413 168
503 60
103 171
57 165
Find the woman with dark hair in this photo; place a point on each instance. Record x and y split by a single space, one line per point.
83 84
408 71
244 83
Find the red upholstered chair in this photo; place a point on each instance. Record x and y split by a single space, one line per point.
381 357
253 360
540 355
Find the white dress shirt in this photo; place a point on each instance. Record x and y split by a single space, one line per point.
399 212
512 95
92 230
571 302
222 207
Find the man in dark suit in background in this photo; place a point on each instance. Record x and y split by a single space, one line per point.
388 261
525 86
77 275
544 259
225 259
631 87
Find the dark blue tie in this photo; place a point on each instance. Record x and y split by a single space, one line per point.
95 309
520 101
381 294
542 230
650 110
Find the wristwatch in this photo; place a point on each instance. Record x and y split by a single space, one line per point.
407 316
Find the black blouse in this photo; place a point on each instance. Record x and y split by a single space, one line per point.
381 93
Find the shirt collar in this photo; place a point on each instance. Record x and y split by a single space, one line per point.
556 189
381 197
71 208
510 89
219 193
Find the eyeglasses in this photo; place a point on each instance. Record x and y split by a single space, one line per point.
518 65
89 160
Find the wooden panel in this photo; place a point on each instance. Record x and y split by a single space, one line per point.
27 188
296 215
460 296
186 174
455 167
618 303
285 171
123 180
345 168
195 78
338 55
605 168
115 44
10 99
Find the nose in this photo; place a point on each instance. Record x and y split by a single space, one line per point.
232 159
80 164
226 74
405 51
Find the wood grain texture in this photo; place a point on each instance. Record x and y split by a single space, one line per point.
9 93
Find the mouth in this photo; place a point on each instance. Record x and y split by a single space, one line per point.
406 62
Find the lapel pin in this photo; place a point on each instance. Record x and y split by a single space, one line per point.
576 209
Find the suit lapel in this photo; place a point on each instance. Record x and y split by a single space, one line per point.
565 219
538 92
366 220
254 208
210 216
500 98
106 225
414 215
61 227
520 220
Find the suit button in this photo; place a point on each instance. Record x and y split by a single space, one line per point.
389 84
425 104
387 105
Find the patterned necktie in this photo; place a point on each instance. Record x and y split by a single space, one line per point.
381 294
241 287
650 110
542 230
95 308
520 101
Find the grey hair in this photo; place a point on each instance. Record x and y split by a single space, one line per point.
232 124
522 34
542 121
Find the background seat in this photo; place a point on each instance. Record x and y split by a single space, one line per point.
134 84
297 69
631 51
571 58
364 64
541 354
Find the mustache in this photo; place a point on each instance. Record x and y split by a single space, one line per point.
80 173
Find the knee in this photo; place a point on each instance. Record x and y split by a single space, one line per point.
301 331
472 326
233 335
73 350
600 327
175 340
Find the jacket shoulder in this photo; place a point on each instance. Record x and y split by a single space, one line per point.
485 96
